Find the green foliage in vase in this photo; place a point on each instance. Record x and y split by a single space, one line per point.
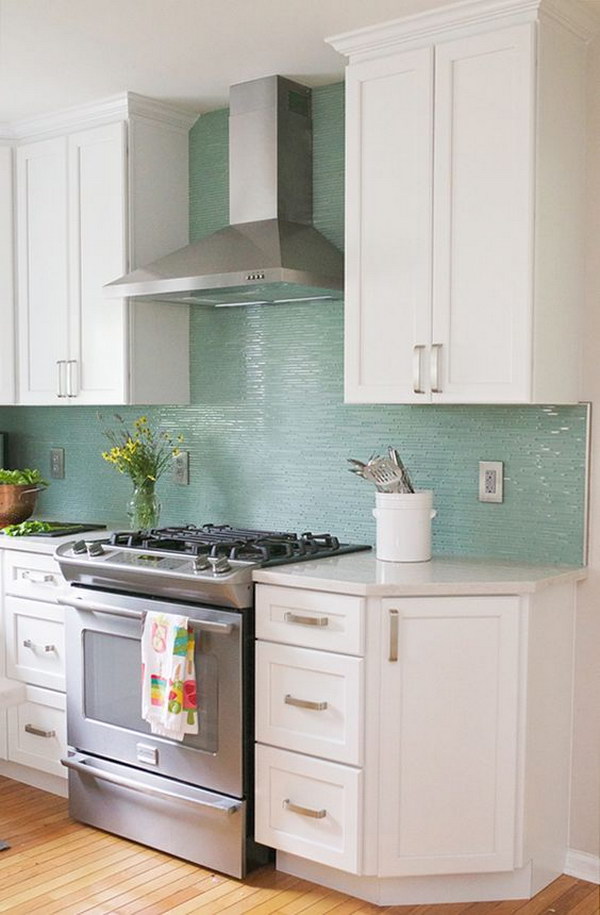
143 453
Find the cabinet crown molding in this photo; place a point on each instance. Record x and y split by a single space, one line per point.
107 110
373 40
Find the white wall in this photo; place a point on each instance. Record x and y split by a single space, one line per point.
585 793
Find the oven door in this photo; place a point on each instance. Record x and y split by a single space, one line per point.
104 695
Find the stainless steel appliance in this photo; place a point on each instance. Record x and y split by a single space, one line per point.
270 254
191 798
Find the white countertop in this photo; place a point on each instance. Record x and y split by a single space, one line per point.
362 574
33 544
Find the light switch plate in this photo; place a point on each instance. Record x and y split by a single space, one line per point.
57 463
181 468
491 481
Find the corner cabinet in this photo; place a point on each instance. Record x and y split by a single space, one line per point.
465 178
416 749
91 204
7 302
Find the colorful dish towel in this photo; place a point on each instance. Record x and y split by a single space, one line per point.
169 701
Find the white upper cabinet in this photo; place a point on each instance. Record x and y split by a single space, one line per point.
464 205
7 304
90 206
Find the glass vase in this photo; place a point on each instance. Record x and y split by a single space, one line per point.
144 508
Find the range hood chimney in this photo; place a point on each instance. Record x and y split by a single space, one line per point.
270 254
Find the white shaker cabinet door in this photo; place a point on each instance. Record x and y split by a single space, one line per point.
7 302
483 217
97 371
388 227
42 257
448 745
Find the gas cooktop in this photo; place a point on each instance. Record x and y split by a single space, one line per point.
213 562
222 540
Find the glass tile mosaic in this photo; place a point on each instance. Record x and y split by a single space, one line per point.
268 432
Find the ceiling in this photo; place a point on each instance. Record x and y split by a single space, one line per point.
57 53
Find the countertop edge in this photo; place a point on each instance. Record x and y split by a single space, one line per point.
439 588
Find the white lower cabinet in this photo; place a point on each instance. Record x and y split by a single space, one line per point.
311 701
442 752
448 735
37 731
33 630
309 807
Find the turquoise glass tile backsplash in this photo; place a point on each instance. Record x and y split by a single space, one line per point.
269 434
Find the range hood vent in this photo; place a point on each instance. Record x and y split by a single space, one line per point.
270 254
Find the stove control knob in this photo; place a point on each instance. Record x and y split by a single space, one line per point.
219 564
95 548
200 564
79 547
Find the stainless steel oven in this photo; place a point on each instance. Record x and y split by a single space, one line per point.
192 798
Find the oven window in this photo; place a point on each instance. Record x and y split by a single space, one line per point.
113 690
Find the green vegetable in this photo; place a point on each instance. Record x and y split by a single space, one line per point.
22 478
27 527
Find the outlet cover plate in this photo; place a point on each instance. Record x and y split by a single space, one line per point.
491 481
57 463
181 468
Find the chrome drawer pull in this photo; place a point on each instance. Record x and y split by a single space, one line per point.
31 729
305 703
306 620
36 579
27 643
304 811
394 628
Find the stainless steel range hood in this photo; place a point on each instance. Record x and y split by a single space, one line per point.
270 254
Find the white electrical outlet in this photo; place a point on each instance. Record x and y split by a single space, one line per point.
491 481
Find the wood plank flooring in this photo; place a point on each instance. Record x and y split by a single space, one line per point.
58 866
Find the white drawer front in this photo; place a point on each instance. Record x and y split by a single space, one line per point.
35 642
312 619
308 807
309 701
37 732
32 575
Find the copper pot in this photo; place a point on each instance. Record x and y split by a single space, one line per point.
17 503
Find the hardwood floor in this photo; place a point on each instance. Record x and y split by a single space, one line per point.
58 866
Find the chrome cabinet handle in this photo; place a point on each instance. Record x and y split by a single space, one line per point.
417 350
32 645
72 378
93 607
31 729
306 620
226 807
305 703
394 632
435 368
60 364
36 579
304 811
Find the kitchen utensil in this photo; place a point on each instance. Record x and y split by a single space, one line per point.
406 481
384 473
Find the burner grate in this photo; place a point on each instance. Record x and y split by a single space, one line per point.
243 544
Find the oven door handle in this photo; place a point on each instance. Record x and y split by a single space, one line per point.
93 607
225 807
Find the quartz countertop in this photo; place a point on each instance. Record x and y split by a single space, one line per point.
33 544
362 574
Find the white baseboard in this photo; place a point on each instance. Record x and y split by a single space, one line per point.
582 865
